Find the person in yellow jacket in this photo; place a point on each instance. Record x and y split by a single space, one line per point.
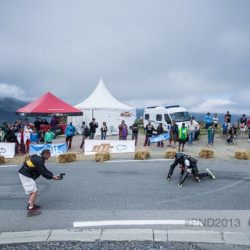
183 134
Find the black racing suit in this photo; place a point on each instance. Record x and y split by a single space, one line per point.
34 167
186 170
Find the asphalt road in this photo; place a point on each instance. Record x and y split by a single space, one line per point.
129 190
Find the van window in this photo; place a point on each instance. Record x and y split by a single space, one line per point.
167 119
180 116
146 117
159 118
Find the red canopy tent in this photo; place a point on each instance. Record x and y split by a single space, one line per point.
47 105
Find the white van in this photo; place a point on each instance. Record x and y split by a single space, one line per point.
165 115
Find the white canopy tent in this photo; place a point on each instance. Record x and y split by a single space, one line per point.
104 107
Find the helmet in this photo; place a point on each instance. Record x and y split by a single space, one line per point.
179 156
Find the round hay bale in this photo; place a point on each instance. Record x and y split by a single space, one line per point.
206 153
242 155
103 156
170 154
2 159
142 154
65 158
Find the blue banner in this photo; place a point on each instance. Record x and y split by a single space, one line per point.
161 137
55 149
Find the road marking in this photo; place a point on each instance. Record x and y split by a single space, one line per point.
136 223
7 166
115 161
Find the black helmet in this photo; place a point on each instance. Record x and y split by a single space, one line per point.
179 155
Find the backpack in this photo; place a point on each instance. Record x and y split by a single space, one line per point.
86 131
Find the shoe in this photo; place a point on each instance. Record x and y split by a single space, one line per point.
197 179
210 174
34 207
168 178
180 185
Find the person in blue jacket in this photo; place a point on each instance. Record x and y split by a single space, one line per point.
69 133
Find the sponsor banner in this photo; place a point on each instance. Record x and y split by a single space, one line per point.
112 146
7 149
157 138
55 149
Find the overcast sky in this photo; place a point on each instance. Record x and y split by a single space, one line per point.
195 53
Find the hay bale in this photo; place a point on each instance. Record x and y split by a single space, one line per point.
2 159
103 156
64 158
206 153
142 154
242 155
170 154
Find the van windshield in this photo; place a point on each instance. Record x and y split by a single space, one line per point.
180 116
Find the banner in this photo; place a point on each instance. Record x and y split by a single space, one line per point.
7 149
55 149
111 146
161 137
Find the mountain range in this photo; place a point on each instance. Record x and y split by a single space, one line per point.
8 107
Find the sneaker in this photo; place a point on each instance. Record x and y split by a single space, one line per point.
180 185
168 178
210 174
34 207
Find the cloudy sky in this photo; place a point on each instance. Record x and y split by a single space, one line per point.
148 52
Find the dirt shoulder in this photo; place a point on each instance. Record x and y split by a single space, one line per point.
221 148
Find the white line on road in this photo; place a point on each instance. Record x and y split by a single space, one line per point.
136 223
115 161
7 166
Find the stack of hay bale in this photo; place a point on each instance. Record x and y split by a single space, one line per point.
170 154
242 155
142 154
2 159
103 156
206 153
64 158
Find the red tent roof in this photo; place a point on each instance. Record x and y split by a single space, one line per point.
48 104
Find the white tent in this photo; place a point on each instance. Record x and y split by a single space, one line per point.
104 107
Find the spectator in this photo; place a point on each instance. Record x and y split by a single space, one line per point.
26 137
160 131
210 134
54 122
215 120
123 131
191 132
243 125
182 135
2 134
135 131
37 124
228 119
149 131
20 142
207 120
69 132
173 134
85 133
92 127
104 130
225 128
49 136
248 126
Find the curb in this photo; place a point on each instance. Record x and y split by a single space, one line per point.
101 234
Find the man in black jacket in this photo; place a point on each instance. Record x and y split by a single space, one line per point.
188 165
32 168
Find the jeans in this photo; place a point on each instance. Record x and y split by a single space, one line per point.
103 135
190 137
210 139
